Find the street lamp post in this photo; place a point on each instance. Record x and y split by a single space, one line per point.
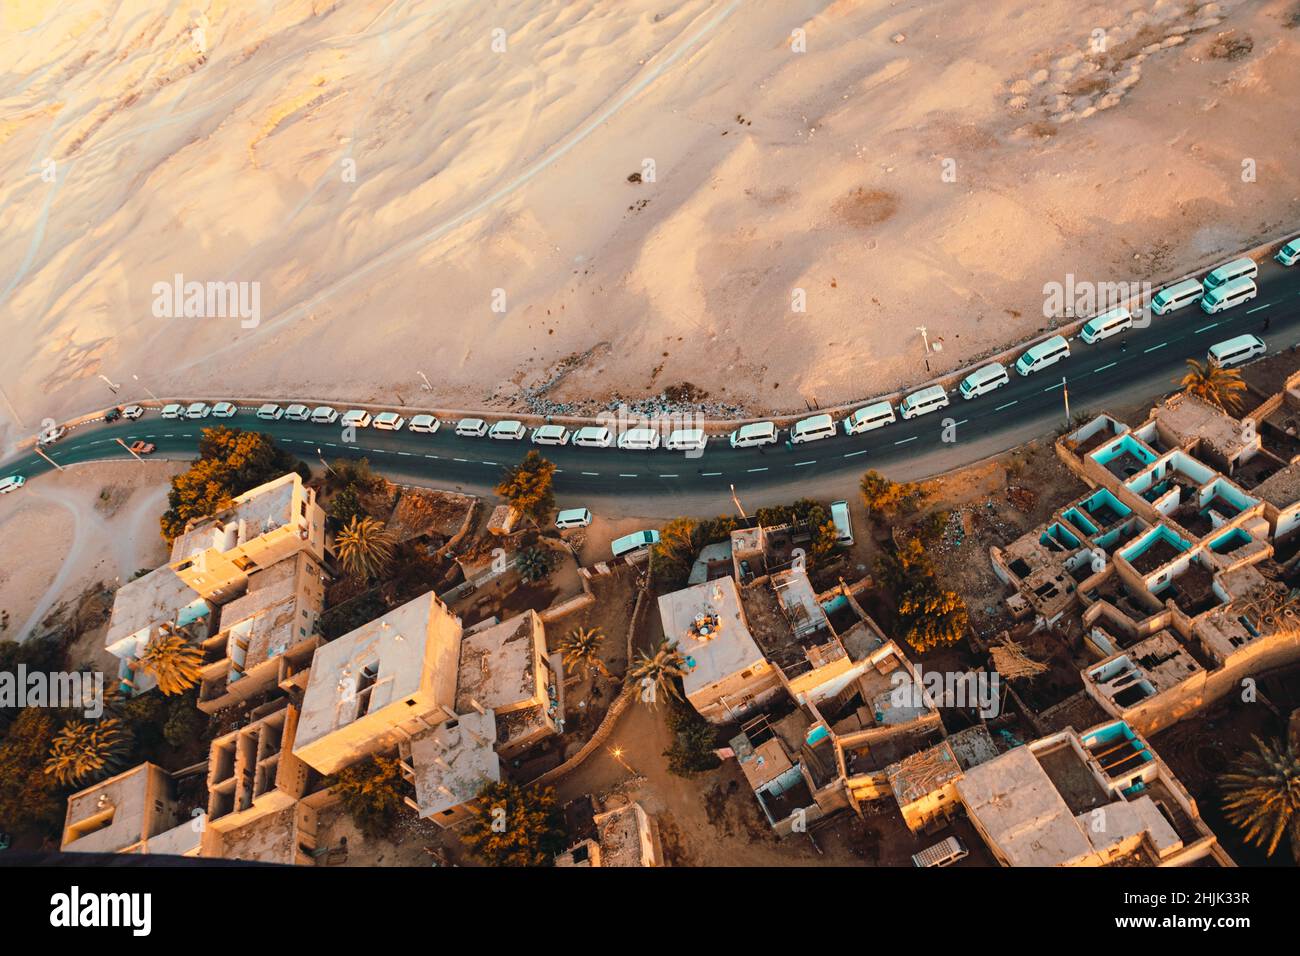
323 462
1065 390
145 387
113 387
736 501
926 340
47 457
128 448
426 386
617 753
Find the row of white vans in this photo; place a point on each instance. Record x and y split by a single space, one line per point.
1227 286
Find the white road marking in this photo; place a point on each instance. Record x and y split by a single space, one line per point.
1104 367
854 454
1051 387
1205 328
1154 347
668 476
1258 307
905 440
800 464
752 470
592 474
1007 405
710 474
461 460
623 474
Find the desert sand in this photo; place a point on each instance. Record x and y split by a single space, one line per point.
90 524
449 188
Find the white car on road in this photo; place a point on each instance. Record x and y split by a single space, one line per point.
324 415
173 410
224 410
271 412
389 422
297 413
132 412
425 424
509 430
198 410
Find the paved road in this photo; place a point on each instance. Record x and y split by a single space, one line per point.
1108 374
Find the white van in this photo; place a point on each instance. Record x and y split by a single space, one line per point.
687 439
1106 325
356 418
550 435
1236 269
758 433
984 380
634 542
869 417
389 422
573 518
198 410
509 430
172 411
424 424
270 412
843 523
926 400
1176 296
224 410
297 413
639 439
1042 355
324 415
1225 296
12 483
1289 254
943 853
1235 351
472 427
811 429
593 436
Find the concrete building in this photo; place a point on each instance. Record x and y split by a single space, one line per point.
1100 798
626 836
265 525
156 604
727 675
380 684
264 635
133 812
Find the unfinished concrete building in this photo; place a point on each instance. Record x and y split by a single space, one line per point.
136 811
1100 798
1167 564
624 836
265 635
265 525
155 605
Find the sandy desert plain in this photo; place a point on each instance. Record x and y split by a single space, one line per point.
446 187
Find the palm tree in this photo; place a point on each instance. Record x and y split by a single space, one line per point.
84 751
364 547
657 672
534 564
1218 386
173 662
1261 794
580 650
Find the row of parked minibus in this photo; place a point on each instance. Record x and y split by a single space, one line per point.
1223 288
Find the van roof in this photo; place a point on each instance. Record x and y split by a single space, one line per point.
1231 287
991 370
874 408
550 429
1231 345
756 428
687 433
593 430
571 513
1245 262
1185 286
930 391
815 421
641 432
1047 345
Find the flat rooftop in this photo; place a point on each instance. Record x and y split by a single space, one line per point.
1281 489
266 617
150 600
1190 419
454 761
620 837
498 666
709 627
388 654
249 516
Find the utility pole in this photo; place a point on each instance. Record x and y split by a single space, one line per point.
1065 390
426 386
109 382
128 448
12 411
925 339
41 452
322 461
736 500
145 387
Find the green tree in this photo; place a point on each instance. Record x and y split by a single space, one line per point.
694 746
29 797
535 564
365 548
372 792
929 615
580 651
810 513
659 671
514 825
173 662
346 505
887 498
84 751
1222 387
1261 795
230 462
527 486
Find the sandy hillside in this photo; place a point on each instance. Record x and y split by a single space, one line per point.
387 172
95 523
